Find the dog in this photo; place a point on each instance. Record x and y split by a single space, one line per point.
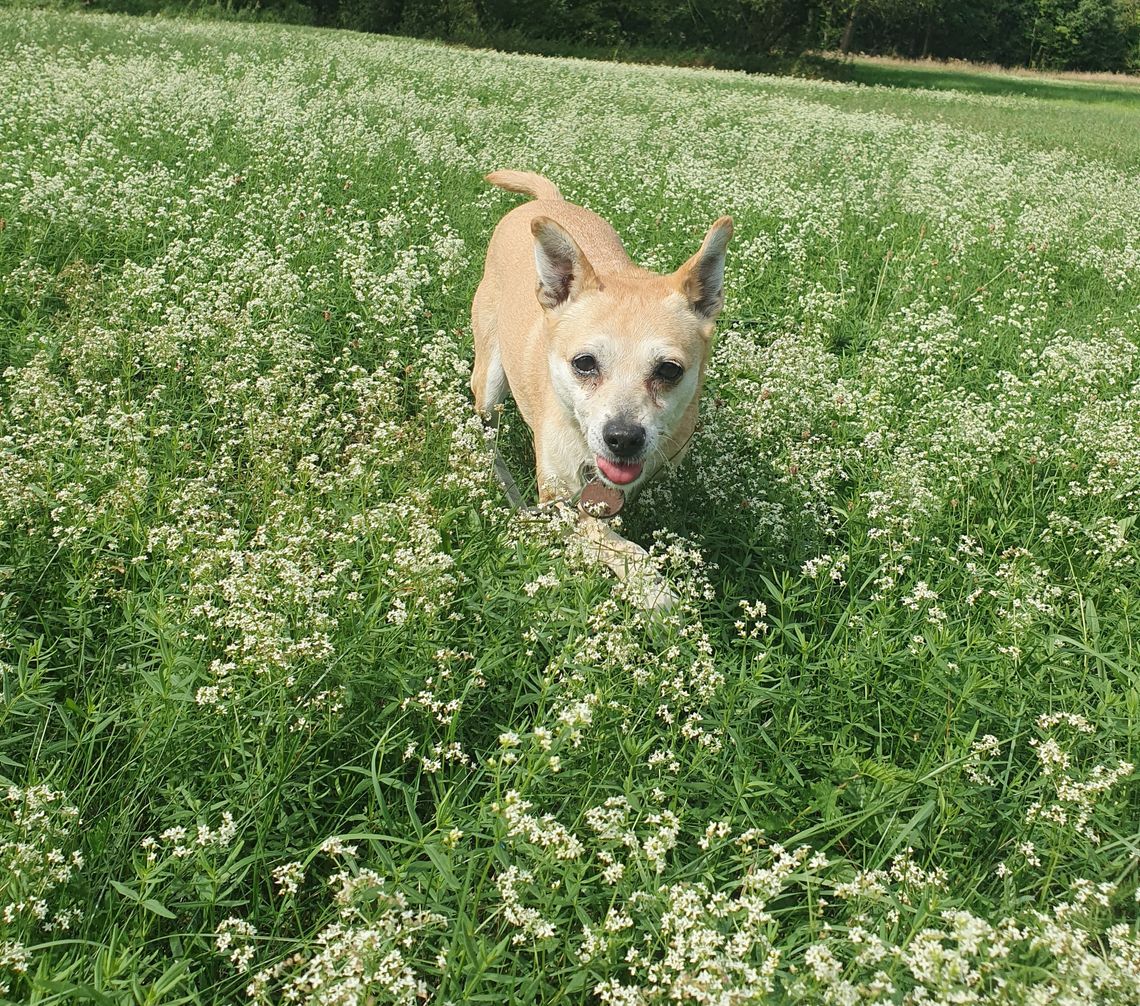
605 360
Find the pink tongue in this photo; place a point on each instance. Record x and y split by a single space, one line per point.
618 473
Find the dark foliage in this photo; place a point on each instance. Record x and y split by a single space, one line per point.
1047 34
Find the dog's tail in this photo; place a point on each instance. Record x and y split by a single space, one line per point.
525 182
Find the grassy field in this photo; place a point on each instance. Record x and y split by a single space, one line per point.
294 709
1094 115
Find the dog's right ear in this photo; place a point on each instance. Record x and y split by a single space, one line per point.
563 270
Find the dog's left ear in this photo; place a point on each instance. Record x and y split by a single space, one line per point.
701 279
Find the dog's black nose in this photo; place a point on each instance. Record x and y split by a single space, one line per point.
624 437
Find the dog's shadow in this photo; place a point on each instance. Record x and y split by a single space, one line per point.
734 505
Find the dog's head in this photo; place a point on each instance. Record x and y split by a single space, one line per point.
627 352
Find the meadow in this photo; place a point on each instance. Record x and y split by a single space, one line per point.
295 709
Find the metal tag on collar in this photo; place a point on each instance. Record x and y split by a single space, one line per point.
600 500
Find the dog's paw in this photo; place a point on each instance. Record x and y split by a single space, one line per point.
646 589
642 585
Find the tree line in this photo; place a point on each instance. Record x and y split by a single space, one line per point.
1043 34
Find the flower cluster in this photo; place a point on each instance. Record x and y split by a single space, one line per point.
38 862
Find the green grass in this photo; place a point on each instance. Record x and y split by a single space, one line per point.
981 79
277 658
1089 119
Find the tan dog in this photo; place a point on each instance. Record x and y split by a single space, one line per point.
605 360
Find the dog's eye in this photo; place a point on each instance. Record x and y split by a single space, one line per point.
585 365
669 372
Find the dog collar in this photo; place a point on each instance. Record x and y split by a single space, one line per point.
600 500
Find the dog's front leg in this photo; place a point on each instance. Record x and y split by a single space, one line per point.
629 561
